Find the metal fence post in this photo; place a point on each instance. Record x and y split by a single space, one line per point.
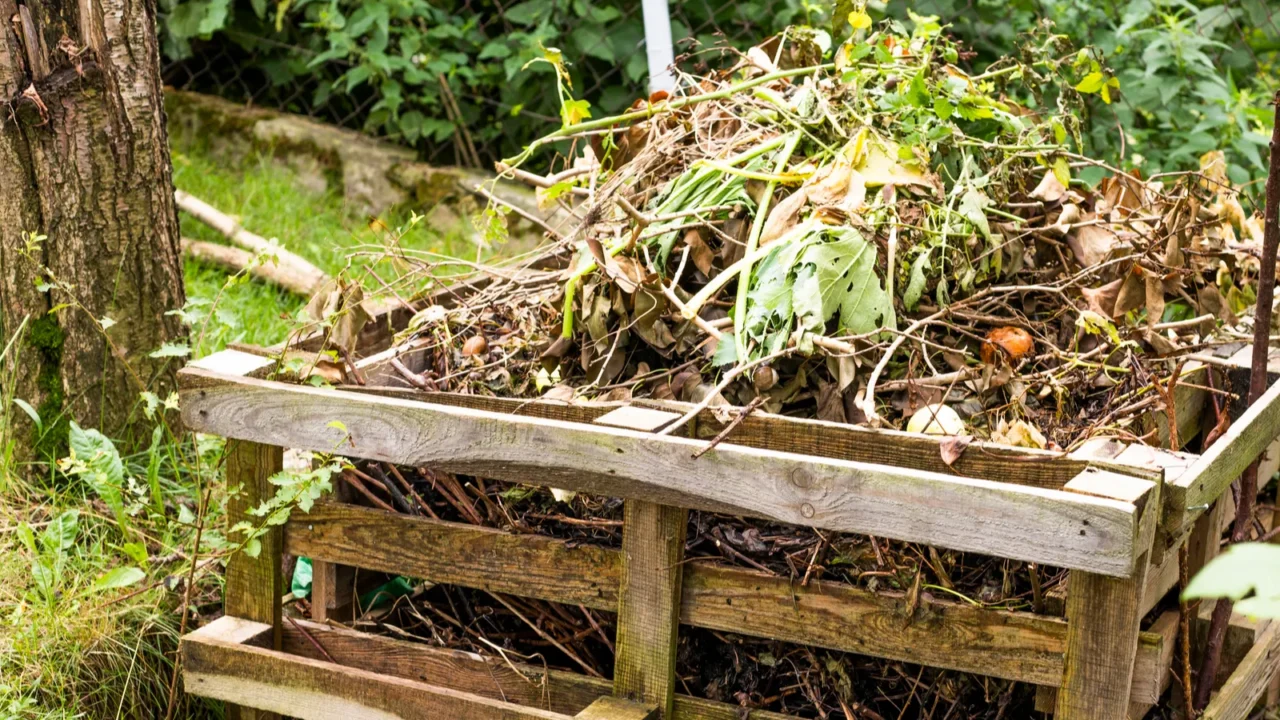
658 46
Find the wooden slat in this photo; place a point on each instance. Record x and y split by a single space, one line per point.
1151 671
1021 523
1015 646
495 678
612 708
254 584
483 558
1248 683
1214 471
1103 623
223 667
649 603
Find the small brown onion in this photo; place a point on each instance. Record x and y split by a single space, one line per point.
475 345
764 378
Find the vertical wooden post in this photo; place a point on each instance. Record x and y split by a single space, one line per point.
653 539
254 584
331 584
1104 613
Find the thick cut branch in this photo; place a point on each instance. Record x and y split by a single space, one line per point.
236 260
308 276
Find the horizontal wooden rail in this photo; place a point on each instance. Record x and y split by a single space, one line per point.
495 678
1050 527
1190 493
1016 465
1236 699
220 661
1012 645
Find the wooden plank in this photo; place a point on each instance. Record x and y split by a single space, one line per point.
1214 471
1022 523
1103 623
483 558
254 584
637 418
222 668
612 708
234 362
649 603
1249 682
1151 672
492 677
958 636
1102 642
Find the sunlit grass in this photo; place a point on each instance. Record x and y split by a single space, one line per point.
268 199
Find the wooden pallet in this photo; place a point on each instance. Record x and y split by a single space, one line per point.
1113 515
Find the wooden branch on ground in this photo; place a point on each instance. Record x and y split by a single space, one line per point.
234 260
308 275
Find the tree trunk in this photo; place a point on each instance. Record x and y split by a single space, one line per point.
84 162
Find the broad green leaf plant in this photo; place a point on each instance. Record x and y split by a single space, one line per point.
1248 573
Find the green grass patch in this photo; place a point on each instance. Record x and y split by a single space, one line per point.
270 200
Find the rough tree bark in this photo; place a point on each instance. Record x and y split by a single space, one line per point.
84 161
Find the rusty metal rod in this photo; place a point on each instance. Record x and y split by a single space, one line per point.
1257 386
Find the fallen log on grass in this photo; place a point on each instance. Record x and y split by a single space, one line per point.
236 260
303 277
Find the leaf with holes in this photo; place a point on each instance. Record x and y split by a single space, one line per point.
838 278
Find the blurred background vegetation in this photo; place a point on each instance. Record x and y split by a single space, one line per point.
1194 76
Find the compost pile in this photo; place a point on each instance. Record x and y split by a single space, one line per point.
854 241
865 234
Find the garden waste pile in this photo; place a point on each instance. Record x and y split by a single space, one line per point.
862 233
855 240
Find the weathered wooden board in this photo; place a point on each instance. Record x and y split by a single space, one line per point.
217 663
459 554
555 690
1019 466
649 603
1015 646
612 708
254 584
1156 649
1191 492
1249 682
1023 523
1103 621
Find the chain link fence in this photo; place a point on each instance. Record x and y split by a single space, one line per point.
460 81
466 82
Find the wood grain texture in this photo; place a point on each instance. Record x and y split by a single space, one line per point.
459 554
1236 699
555 690
1102 643
1103 624
1023 523
958 636
1151 670
253 585
613 708
225 669
1214 471
1018 466
649 603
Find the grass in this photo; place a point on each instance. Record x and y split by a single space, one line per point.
69 649
269 200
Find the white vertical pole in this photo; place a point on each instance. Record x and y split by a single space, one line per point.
658 46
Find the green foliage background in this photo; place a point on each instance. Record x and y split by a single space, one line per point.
1194 76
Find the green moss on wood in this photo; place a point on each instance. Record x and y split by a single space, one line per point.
46 337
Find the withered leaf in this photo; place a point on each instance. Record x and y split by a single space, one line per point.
784 216
701 254
953 447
